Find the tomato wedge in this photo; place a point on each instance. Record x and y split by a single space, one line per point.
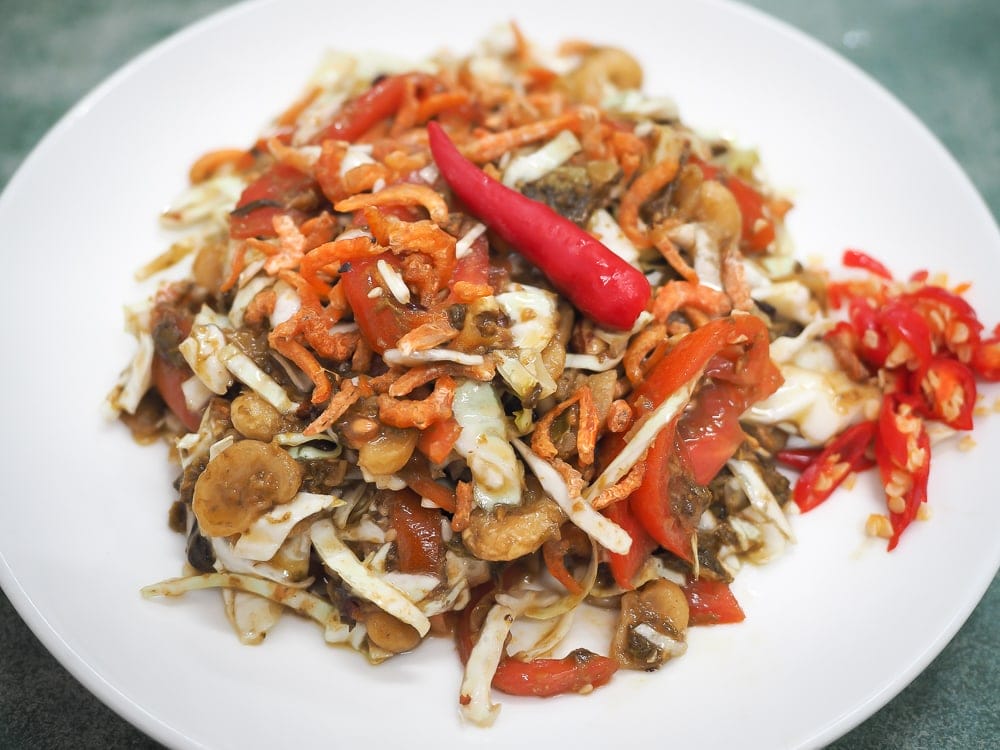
578 671
733 354
711 603
382 319
624 567
419 543
575 672
272 194
359 115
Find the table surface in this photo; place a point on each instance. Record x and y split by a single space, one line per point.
940 58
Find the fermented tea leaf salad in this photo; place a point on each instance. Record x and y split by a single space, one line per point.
487 340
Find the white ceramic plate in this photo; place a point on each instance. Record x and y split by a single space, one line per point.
834 629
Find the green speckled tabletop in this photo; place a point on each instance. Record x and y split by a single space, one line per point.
940 57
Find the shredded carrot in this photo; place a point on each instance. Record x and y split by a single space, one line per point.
305 361
587 427
674 295
629 150
642 189
236 267
207 165
402 163
643 344
291 156
291 244
260 307
427 336
420 414
364 177
658 237
620 416
463 507
623 488
290 115
340 403
435 104
553 552
336 252
495 145
402 194
436 441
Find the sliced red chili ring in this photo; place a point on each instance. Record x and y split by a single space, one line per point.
846 453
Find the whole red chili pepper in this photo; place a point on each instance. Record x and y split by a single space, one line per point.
600 284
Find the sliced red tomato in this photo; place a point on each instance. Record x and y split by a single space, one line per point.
710 431
271 195
624 567
651 501
577 671
734 352
437 440
168 378
711 603
419 543
359 115
382 319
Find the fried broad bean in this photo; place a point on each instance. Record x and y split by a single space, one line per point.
255 418
720 212
511 532
388 451
390 633
601 66
243 483
652 624
209 266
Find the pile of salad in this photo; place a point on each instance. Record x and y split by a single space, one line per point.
494 338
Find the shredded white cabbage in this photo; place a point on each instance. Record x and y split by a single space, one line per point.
477 705
301 601
533 315
760 495
498 475
640 441
266 535
244 368
598 527
530 167
342 561
252 616
415 359
464 245
603 226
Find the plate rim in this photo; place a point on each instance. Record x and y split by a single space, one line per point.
150 724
